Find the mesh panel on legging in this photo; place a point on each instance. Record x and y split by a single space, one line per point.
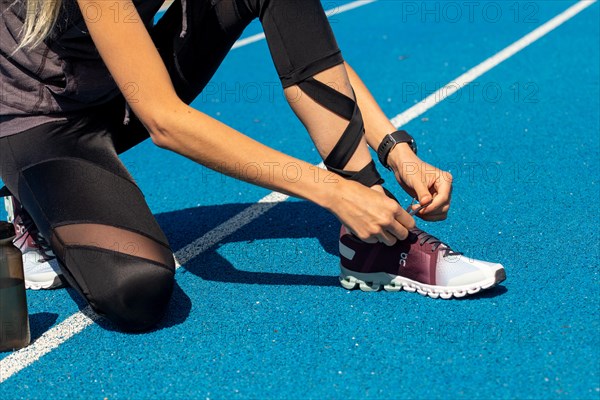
124 275
113 239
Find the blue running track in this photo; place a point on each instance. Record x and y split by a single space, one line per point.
260 314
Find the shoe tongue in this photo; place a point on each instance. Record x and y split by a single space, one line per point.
448 252
444 249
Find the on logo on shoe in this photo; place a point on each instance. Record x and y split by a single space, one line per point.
403 257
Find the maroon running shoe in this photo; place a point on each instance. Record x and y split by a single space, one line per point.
421 263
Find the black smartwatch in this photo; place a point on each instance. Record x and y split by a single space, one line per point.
391 140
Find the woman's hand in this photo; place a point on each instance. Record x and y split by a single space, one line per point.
430 185
368 213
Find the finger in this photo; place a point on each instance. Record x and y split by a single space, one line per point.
387 238
371 239
436 216
414 209
433 218
441 198
443 209
364 238
398 230
423 194
404 218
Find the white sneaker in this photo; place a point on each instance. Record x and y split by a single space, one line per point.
40 266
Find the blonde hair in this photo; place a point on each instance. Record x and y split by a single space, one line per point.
40 18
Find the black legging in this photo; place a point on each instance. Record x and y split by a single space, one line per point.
68 177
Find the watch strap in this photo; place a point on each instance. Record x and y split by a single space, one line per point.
391 140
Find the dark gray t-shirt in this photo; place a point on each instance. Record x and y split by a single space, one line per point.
63 75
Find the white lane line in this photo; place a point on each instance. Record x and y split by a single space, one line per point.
474 73
76 323
331 12
50 340
228 227
248 40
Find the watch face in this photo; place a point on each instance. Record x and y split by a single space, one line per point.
413 146
411 142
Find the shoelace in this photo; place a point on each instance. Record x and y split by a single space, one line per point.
31 230
425 237
428 238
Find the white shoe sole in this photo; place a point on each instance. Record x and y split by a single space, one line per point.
53 284
373 282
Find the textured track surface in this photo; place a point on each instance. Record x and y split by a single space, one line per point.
262 315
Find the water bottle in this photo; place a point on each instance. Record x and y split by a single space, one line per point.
14 320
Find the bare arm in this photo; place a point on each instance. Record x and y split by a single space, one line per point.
131 57
429 184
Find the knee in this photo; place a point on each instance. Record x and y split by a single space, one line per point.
131 292
140 300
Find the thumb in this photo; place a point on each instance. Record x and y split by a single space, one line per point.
423 195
